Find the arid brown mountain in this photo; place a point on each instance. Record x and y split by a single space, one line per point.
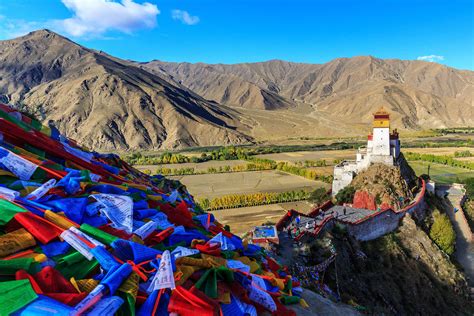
111 104
420 94
106 103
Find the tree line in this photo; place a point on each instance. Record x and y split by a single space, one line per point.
252 199
303 172
164 158
463 153
441 159
221 169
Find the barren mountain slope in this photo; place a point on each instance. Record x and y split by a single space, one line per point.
420 94
106 103
213 82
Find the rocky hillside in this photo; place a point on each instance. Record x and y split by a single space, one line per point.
403 273
385 184
420 94
106 103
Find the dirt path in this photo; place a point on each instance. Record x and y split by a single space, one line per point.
464 241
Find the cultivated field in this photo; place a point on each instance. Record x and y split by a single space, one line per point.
244 219
202 166
467 159
214 185
441 173
326 171
438 151
328 155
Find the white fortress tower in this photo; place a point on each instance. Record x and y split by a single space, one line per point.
382 147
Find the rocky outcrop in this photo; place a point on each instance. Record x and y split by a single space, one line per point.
383 185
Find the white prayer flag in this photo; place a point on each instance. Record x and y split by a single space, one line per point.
42 190
262 298
118 208
77 244
181 251
17 165
164 278
146 230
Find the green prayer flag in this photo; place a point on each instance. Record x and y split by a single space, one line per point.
228 254
11 266
208 281
98 234
8 210
128 308
288 300
75 265
14 295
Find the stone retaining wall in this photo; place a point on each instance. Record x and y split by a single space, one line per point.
384 222
370 227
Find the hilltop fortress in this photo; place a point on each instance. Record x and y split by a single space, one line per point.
382 147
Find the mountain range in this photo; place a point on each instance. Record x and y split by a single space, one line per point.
107 103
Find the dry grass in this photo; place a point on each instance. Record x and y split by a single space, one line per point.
328 155
437 151
243 219
202 166
214 185
470 159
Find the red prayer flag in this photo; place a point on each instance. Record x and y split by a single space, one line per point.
40 228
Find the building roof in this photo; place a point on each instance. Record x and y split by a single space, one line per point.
381 113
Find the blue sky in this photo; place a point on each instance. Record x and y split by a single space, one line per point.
221 31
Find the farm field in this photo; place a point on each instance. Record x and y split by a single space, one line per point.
438 151
441 173
214 185
467 159
326 171
202 166
328 155
244 219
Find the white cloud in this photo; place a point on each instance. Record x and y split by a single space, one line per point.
90 18
431 58
184 17
96 17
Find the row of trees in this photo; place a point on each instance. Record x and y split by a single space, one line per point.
303 172
463 153
175 171
311 163
252 199
164 158
456 130
220 169
440 144
441 159
469 203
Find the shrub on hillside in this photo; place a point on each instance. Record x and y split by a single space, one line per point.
442 233
318 196
346 195
469 185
